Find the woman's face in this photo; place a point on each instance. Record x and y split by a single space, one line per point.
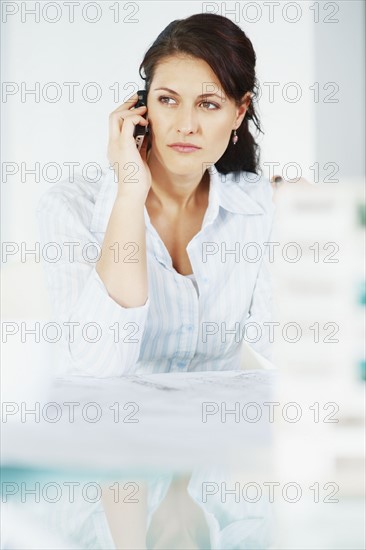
194 111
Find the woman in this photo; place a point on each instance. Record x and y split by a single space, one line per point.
181 230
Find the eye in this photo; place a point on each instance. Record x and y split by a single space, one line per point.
165 100
163 97
210 103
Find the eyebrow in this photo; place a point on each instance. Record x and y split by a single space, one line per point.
176 93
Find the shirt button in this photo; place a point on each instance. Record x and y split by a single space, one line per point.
189 327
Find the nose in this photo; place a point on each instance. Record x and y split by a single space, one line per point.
187 121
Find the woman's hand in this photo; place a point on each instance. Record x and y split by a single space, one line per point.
129 164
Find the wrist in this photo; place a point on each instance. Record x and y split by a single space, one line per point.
135 198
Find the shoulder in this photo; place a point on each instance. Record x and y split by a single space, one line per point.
76 195
246 192
258 187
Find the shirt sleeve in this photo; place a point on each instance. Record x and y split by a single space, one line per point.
100 338
261 311
259 335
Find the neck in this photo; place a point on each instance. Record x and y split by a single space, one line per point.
175 192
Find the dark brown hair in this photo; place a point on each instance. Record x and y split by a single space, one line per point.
230 54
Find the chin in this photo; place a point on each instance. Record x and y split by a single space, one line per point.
183 166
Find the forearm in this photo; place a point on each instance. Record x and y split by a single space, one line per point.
122 265
127 520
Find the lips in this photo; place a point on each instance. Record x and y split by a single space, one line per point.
184 147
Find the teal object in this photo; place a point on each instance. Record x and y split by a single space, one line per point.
361 213
362 294
362 366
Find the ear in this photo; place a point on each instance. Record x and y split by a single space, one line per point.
242 109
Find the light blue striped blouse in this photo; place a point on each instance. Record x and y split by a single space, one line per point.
187 323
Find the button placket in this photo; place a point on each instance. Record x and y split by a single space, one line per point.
188 334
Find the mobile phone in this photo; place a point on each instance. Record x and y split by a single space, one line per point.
140 131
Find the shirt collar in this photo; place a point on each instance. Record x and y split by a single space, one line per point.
228 191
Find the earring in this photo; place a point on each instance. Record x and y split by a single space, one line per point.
235 138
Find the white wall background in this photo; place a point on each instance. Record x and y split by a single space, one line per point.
304 42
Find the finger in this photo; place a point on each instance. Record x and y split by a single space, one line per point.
121 113
117 118
130 122
115 125
132 99
127 104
